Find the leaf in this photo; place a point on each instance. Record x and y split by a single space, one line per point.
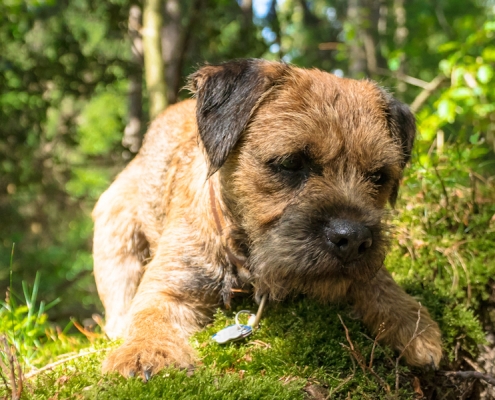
473 139
488 54
446 110
445 66
101 123
461 93
489 26
443 48
425 160
394 64
417 387
485 73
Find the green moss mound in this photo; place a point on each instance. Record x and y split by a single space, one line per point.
442 254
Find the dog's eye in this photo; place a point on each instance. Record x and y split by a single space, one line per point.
293 163
378 178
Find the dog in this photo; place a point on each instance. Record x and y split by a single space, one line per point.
274 177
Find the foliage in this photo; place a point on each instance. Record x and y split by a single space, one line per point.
24 323
64 81
445 232
56 76
463 113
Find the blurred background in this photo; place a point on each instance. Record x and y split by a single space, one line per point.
75 98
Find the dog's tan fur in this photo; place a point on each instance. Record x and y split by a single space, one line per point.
161 264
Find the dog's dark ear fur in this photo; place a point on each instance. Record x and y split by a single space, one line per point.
227 95
402 125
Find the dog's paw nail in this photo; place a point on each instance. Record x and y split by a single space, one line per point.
433 366
147 375
132 374
190 370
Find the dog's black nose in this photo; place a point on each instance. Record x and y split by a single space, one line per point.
348 240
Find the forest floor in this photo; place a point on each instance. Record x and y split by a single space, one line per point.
442 254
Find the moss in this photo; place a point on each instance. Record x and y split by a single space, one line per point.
300 343
442 254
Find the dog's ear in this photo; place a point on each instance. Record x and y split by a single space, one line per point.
402 125
227 95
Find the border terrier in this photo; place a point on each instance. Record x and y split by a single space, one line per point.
274 177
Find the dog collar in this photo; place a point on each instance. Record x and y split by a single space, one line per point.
220 225
234 261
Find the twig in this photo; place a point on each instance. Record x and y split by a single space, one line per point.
381 330
444 189
20 377
473 364
16 382
329 45
473 187
414 336
455 273
466 273
469 375
426 92
2 376
56 363
85 332
346 333
360 359
402 77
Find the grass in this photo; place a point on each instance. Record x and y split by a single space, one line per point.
301 344
443 254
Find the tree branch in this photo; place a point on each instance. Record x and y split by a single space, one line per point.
469 375
427 91
31 374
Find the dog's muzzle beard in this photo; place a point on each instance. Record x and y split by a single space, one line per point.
301 252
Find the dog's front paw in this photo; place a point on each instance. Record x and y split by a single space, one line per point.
425 350
145 357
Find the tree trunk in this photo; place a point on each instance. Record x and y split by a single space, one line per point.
382 18
171 48
153 62
247 10
132 133
309 18
357 55
274 22
368 19
375 13
400 38
194 18
247 25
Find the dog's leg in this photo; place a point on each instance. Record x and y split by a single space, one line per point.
173 301
382 301
117 265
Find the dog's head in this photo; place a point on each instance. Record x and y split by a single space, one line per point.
307 162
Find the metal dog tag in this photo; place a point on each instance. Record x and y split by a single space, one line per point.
232 333
239 331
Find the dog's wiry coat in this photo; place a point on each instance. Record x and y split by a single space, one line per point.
292 157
